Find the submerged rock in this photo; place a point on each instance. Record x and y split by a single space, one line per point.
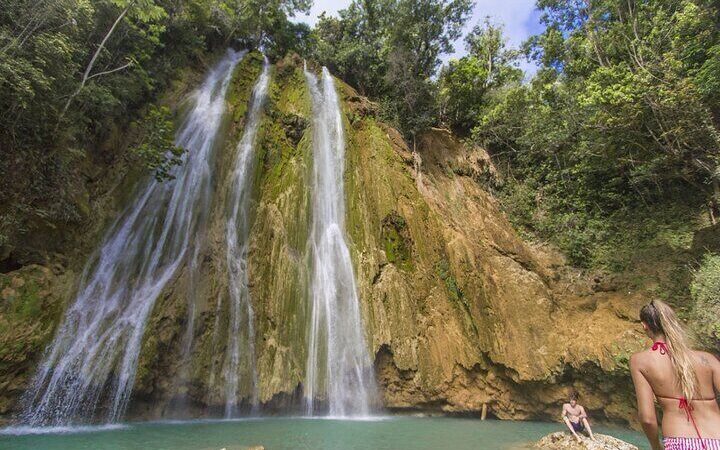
566 441
253 447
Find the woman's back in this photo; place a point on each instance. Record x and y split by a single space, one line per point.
657 368
683 381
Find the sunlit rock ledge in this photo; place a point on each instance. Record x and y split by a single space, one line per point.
566 441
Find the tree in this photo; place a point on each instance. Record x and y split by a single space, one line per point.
424 29
145 11
466 84
619 119
354 46
258 21
389 50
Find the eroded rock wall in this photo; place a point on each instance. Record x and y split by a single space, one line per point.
459 310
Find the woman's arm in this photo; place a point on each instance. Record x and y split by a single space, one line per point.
646 404
716 374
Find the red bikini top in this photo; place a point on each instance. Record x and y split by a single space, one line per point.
683 404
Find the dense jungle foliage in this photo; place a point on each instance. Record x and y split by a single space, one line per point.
73 72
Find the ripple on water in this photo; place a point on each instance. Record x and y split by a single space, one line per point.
26 430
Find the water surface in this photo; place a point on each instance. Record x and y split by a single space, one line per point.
396 433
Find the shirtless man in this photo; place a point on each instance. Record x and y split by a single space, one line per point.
576 418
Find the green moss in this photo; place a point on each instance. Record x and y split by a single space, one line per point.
443 270
278 152
241 86
26 304
30 309
396 241
29 304
280 231
289 94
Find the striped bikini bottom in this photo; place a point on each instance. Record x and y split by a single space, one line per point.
683 443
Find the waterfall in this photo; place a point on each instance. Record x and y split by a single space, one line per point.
241 334
338 369
92 360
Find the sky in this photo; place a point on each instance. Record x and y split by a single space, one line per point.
520 18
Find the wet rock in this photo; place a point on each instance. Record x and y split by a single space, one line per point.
565 441
7 293
294 127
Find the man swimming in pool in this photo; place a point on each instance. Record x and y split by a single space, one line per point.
576 418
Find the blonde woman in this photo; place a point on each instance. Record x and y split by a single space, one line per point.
685 383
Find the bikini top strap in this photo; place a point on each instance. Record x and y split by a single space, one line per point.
711 399
660 345
687 407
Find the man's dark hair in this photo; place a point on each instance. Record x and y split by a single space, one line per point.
574 396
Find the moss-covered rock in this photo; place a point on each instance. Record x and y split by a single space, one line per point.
397 241
32 300
277 264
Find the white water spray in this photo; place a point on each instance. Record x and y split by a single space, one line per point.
241 333
339 370
93 358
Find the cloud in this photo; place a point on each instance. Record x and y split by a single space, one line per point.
520 18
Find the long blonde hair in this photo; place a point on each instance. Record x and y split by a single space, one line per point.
661 319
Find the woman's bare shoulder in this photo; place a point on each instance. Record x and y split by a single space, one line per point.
706 358
639 358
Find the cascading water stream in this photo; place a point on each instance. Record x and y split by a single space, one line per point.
241 333
339 369
93 358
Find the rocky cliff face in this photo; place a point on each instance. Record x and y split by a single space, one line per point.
459 312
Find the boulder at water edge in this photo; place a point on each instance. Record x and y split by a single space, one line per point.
566 441
254 447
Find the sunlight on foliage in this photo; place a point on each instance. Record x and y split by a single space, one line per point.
705 289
